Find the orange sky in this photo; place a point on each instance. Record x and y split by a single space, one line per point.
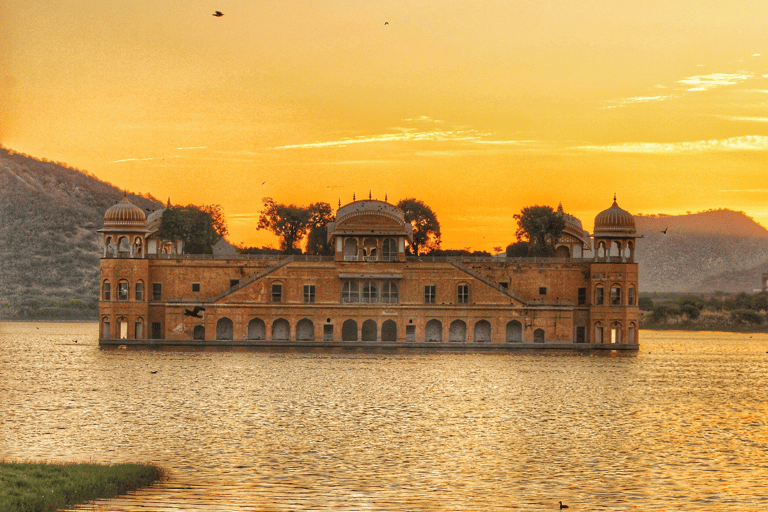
477 108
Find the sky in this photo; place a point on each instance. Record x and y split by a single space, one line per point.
476 108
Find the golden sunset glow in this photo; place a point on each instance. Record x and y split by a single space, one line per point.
476 108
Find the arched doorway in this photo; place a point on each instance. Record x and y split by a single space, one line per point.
369 330
281 330
389 331
457 331
349 330
482 332
538 336
305 330
224 329
257 329
434 331
198 333
514 331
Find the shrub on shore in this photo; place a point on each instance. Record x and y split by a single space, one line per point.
42 487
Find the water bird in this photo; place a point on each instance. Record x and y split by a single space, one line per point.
75 341
218 14
665 230
195 312
563 506
154 372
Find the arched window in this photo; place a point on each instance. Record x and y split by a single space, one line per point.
433 331
122 290
632 334
462 292
124 245
389 250
305 330
106 328
370 292
599 295
257 330
224 329
562 251
122 324
138 244
106 290
350 249
482 332
615 332
370 249
138 329
538 336
369 330
598 332
631 296
198 333
615 295
457 331
139 292
281 330
389 331
514 331
349 292
349 330
389 292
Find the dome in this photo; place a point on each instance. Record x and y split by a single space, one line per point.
614 221
124 215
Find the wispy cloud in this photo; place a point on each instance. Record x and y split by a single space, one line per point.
623 102
195 147
745 119
141 159
711 81
422 119
745 143
746 190
430 136
508 142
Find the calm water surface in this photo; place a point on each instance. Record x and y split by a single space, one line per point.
680 425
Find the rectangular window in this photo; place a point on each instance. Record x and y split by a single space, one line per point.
139 291
631 297
582 296
157 331
430 293
122 290
504 285
233 282
581 334
328 332
542 290
157 291
309 293
139 330
599 296
277 292
598 334
463 294
410 333
105 331
615 296
195 287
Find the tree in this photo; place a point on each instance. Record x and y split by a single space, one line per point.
199 227
288 222
426 228
540 226
645 304
517 250
320 214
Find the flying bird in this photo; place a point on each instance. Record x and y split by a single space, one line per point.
562 506
386 23
195 312
665 230
218 14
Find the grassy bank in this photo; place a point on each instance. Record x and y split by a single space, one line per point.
707 321
34 487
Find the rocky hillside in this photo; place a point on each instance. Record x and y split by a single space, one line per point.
701 252
49 248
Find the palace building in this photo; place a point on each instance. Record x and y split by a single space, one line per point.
370 291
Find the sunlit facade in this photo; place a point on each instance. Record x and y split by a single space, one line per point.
370 291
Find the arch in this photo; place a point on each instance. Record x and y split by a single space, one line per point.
257 329
482 332
138 293
138 329
615 332
106 328
389 330
630 251
370 249
370 292
631 296
370 330
281 330
389 250
138 245
350 249
390 293
433 331
562 251
198 333
349 330
224 329
615 250
122 290
599 295
598 332
124 245
305 330
514 331
538 336
106 290
615 294
632 333
600 250
457 331
122 328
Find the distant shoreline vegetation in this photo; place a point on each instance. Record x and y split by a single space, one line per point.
716 311
52 310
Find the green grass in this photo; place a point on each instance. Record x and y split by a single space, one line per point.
41 487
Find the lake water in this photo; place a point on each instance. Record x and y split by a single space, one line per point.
681 424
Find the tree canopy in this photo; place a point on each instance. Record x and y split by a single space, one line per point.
540 226
320 214
292 223
199 227
426 228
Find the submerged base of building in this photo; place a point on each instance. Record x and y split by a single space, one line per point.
368 344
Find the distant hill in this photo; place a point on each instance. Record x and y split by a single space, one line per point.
49 248
707 251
